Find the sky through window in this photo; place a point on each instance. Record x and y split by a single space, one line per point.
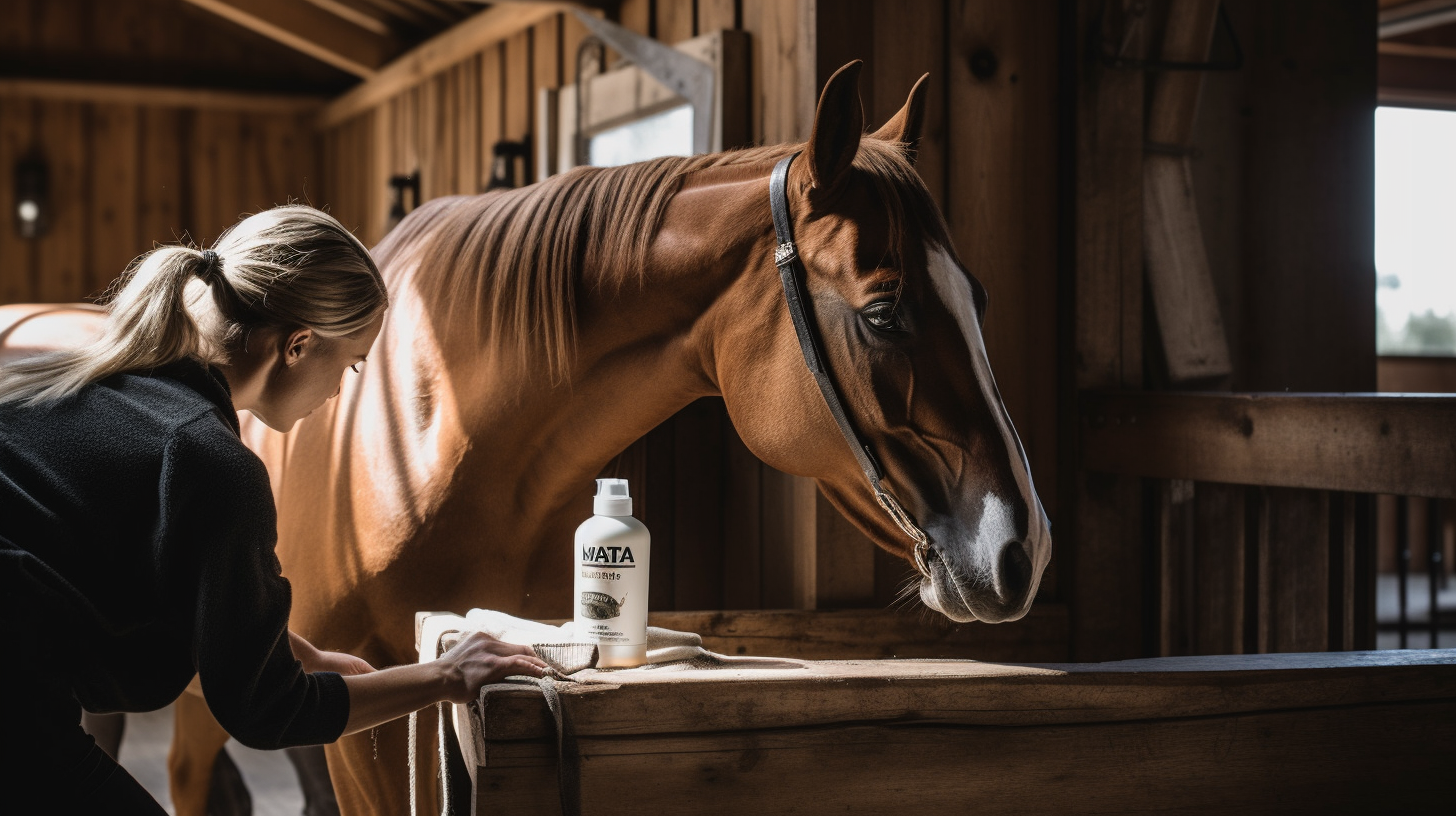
1415 231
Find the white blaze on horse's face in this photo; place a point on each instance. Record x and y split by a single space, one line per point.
983 564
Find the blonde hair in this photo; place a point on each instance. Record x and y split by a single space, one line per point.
284 268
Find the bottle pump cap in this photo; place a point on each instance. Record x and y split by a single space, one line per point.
612 498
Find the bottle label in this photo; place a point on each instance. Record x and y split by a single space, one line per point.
600 606
611 592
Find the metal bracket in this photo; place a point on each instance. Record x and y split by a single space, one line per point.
1117 59
689 78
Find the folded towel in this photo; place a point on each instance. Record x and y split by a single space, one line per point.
569 655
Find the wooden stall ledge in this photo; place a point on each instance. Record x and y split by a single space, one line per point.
869 634
1401 444
1328 732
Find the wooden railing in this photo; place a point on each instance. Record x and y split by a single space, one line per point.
1362 732
1260 509
1365 443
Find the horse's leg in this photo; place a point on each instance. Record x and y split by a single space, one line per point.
197 741
313 778
373 787
228 794
107 729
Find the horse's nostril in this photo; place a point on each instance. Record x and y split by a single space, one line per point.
1014 576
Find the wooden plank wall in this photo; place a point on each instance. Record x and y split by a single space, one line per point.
1282 170
127 175
1246 569
124 177
444 128
1101 279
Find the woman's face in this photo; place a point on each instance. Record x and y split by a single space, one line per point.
308 371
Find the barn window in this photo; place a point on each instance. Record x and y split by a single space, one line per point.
624 115
669 133
1415 232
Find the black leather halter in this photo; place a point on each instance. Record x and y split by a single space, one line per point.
791 272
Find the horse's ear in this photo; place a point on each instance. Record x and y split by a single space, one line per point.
905 126
838 124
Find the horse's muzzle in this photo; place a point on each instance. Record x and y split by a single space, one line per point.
996 594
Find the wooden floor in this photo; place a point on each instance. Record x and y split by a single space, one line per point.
269 775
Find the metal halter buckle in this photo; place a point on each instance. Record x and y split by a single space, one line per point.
785 253
908 526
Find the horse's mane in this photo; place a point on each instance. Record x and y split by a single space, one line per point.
509 263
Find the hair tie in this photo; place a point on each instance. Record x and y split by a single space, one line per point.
211 267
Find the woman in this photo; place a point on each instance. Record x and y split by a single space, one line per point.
137 531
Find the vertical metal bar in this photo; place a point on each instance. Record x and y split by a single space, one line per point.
1402 546
1433 563
1366 570
1340 598
1256 571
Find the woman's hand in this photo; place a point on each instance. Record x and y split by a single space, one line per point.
345 664
317 660
479 659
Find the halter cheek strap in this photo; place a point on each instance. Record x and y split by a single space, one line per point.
791 273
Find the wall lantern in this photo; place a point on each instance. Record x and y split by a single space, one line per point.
507 155
32 205
399 185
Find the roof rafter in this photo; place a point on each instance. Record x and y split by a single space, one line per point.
1416 16
453 45
311 29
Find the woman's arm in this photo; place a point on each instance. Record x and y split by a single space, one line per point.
378 696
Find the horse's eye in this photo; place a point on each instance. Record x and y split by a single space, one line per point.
881 315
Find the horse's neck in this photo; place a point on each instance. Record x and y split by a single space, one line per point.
644 351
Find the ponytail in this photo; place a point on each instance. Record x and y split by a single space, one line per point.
287 267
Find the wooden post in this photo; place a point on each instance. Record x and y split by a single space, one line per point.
1106 550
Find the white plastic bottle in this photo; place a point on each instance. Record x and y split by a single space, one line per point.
613 557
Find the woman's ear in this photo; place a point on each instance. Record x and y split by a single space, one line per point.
296 344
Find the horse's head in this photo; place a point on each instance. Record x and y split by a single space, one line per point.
900 322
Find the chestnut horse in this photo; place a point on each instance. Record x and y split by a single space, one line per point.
536 333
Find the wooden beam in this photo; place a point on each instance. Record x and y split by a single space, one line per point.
310 29
471 36
404 12
1103 280
1368 443
862 634
445 12
1405 49
363 19
158 96
1416 16
1195 345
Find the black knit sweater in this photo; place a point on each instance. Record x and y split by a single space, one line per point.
137 527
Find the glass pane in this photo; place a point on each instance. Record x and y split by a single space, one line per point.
669 133
1415 231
